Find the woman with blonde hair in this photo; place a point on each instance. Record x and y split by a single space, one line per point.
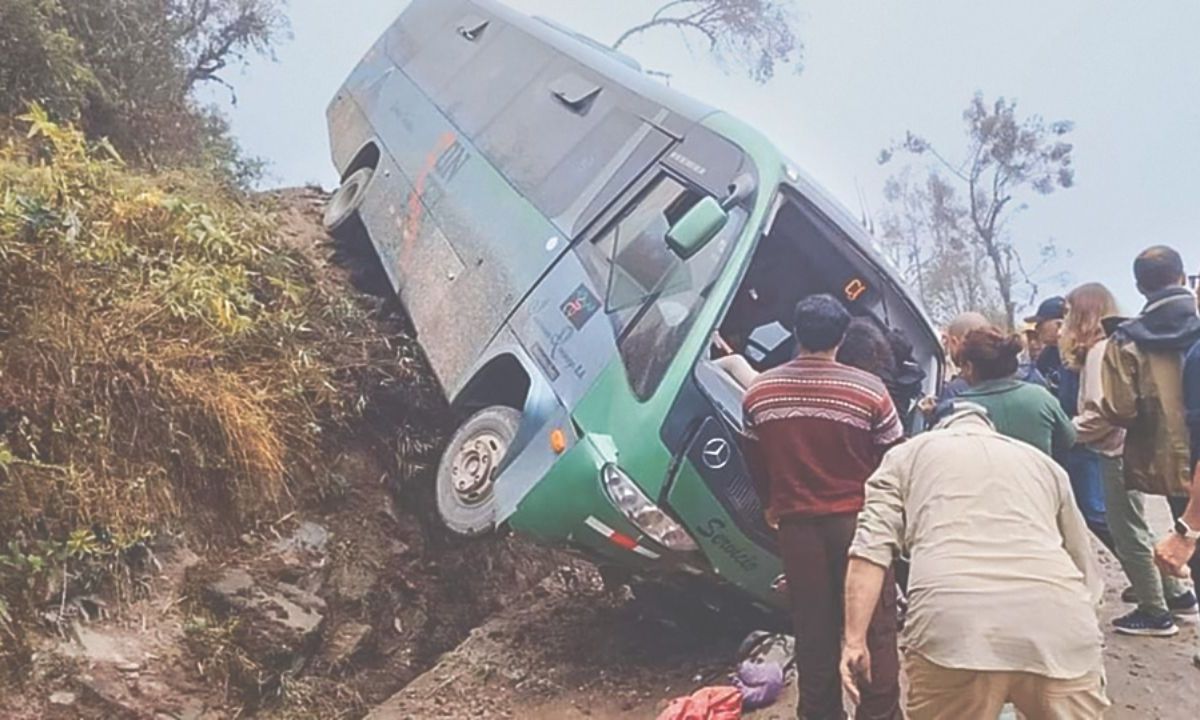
1158 596
1086 306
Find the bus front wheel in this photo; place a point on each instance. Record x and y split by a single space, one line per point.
466 478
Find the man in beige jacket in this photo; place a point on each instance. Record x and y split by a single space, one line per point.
1159 597
1004 585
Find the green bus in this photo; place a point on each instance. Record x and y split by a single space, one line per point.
576 244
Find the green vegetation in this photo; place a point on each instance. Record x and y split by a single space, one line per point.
126 70
168 360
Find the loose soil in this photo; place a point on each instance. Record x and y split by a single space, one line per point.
358 604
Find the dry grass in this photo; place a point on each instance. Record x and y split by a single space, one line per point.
165 359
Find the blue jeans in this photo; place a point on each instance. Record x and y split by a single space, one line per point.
1087 483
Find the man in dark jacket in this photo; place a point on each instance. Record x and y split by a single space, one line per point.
1174 552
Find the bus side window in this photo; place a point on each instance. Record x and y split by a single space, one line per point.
650 294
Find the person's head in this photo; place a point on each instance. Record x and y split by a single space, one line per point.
820 324
989 354
902 348
958 329
1087 305
1157 269
1033 342
866 348
1048 321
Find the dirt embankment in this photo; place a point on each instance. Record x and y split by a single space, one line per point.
323 611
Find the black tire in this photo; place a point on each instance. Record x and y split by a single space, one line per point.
352 243
341 212
466 497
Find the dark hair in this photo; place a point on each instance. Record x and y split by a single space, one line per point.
902 349
820 323
1157 268
993 354
866 348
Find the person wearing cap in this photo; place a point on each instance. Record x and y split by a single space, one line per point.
1047 326
993 532
1033 343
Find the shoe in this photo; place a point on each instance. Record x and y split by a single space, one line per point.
1147 625
1129 597
1184 606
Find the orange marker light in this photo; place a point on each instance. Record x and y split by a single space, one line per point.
855 289
558 441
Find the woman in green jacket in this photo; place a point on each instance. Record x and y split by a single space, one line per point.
1020 410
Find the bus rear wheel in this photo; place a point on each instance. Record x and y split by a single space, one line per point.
341 217
466 478
352 243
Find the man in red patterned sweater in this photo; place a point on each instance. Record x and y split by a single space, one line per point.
816 430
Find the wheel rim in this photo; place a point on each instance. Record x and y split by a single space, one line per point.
473 470
344 199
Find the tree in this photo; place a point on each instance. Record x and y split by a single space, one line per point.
1007 158
756 34
126 70
924 232
216 32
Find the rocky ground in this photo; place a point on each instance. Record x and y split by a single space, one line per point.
359 605
575 656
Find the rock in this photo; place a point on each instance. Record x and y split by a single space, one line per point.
353 582
311 536
349 642
278 623
233 583
62 698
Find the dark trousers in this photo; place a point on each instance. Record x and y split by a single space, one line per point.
814 558
1178 508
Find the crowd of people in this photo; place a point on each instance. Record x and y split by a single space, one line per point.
1070 429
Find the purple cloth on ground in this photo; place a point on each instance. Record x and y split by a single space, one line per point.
760 683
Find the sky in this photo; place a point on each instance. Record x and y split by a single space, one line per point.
1127 74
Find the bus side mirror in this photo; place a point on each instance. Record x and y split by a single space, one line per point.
697 227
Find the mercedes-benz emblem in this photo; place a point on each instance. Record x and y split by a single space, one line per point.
716 453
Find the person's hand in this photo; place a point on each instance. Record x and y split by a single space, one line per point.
721 345
927 405
856 668
1172 554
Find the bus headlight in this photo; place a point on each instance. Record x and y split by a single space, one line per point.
645 515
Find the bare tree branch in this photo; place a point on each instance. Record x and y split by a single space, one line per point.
759 35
